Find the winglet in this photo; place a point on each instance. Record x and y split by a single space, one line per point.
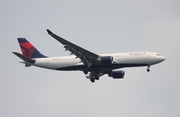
49 32
27 59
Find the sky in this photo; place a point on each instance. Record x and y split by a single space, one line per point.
101 26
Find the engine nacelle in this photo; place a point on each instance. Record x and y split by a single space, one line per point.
117 74
106 60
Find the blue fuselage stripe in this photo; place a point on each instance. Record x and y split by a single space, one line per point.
99 67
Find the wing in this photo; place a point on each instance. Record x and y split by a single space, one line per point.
87 57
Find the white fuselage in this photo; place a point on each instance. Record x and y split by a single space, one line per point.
120 60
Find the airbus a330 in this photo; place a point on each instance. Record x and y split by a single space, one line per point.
92 64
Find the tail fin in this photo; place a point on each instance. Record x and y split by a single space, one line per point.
28 49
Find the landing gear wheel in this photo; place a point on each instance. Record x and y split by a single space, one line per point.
148 70
85 72
92 80
97 78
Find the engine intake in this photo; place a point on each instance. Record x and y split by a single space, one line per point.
106 60
117 74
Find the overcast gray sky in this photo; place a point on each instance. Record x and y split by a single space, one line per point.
100 26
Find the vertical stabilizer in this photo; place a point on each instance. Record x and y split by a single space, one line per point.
28 49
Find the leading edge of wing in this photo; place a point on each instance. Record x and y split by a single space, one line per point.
65 42
87 54
60 39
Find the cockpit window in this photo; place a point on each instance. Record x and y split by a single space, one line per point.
158 54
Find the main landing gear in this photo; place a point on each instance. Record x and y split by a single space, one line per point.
93 79
148 69
85 72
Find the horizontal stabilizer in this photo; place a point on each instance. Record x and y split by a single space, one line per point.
26 59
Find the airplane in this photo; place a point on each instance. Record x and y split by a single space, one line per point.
92 64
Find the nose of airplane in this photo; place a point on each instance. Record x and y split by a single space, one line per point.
163 58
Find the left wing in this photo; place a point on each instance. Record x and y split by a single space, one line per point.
87 57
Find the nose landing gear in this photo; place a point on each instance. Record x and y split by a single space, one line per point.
148 69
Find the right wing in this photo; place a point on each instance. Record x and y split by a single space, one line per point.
87 57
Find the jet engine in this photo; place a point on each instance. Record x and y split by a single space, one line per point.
117 74
106 60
